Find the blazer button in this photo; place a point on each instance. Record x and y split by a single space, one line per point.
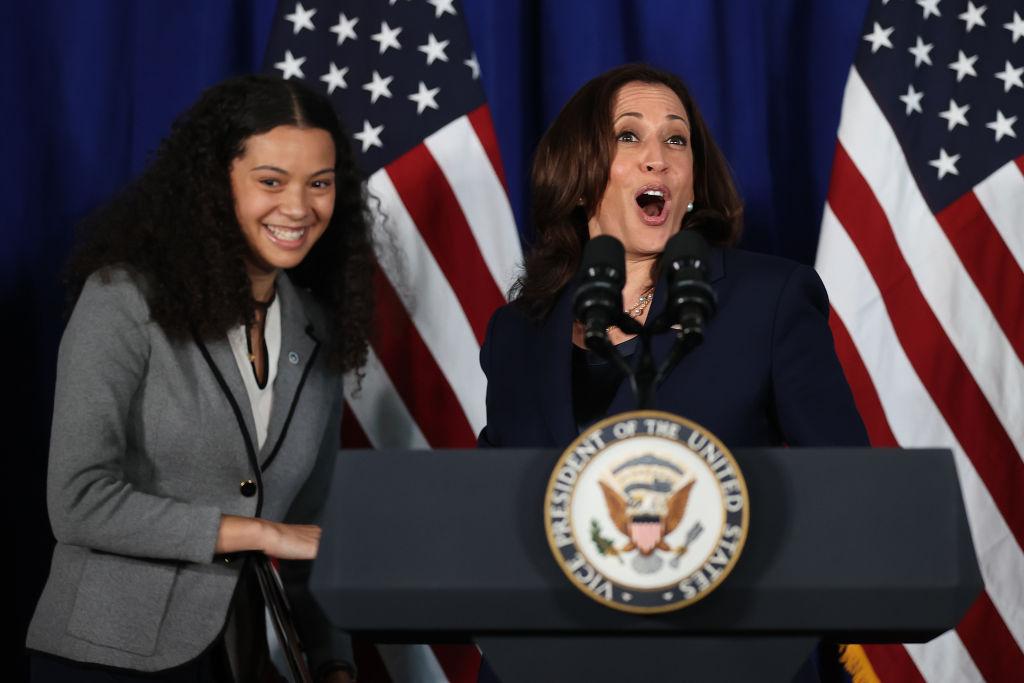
248 488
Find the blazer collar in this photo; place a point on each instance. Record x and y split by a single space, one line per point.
555 352
298 343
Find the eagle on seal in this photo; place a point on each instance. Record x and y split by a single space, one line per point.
646 515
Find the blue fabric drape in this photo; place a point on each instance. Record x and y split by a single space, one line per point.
768 77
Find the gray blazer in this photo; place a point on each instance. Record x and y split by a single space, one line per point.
152 441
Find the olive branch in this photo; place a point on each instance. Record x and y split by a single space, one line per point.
605 546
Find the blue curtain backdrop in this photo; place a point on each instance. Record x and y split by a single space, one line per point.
92 85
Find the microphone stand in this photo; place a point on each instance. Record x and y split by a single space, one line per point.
644 377
691 303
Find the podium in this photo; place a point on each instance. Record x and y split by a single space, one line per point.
854 545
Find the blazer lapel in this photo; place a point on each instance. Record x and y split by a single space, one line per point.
554 370
298 351
226 367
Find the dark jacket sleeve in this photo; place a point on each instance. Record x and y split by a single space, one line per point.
813 402
485 438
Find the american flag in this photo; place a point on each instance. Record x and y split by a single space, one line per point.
921 249
406 82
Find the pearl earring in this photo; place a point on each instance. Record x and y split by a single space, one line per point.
689 207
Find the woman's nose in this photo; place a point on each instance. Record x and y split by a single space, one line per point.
295 203
654 159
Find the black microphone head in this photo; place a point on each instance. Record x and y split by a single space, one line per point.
598 297
686 245
691 300
606 253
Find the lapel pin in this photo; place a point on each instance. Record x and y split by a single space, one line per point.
293 358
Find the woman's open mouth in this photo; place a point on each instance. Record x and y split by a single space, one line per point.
653 202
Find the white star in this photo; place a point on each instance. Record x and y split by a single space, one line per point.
1002 125
442 7
1016 27
335 78
963 66
388 37
434 49
301 18
972 17
473 65
955 115
879 37
666 596
626 597
1010 76
921 52
291 66
345 28
945 163
424 98
912 99
370 136
930 7
378 87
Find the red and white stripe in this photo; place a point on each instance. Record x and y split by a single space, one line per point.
929 325
448 252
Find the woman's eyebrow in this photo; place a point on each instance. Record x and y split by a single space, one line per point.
277 169
638 115
268 167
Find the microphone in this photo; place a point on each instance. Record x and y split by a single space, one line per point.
597 302
691 301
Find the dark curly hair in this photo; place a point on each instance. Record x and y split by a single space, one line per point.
175 225
572 164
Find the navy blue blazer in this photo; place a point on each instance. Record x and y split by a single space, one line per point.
766 374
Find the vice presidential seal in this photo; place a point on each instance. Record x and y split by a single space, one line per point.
646 512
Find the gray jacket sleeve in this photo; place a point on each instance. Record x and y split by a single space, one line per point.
101 365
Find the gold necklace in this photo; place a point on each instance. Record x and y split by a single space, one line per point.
645 299
641 303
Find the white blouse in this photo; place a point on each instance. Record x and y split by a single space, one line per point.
260 400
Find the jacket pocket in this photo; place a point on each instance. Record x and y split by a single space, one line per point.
121 602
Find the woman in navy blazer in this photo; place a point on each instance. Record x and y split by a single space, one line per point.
630 156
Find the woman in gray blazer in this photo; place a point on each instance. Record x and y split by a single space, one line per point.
217 301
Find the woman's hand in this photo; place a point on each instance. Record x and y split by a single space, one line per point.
283 541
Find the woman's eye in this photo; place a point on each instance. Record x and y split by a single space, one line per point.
322 184
270 182
627 136
678 140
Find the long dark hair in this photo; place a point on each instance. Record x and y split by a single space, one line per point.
175 225
570 173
